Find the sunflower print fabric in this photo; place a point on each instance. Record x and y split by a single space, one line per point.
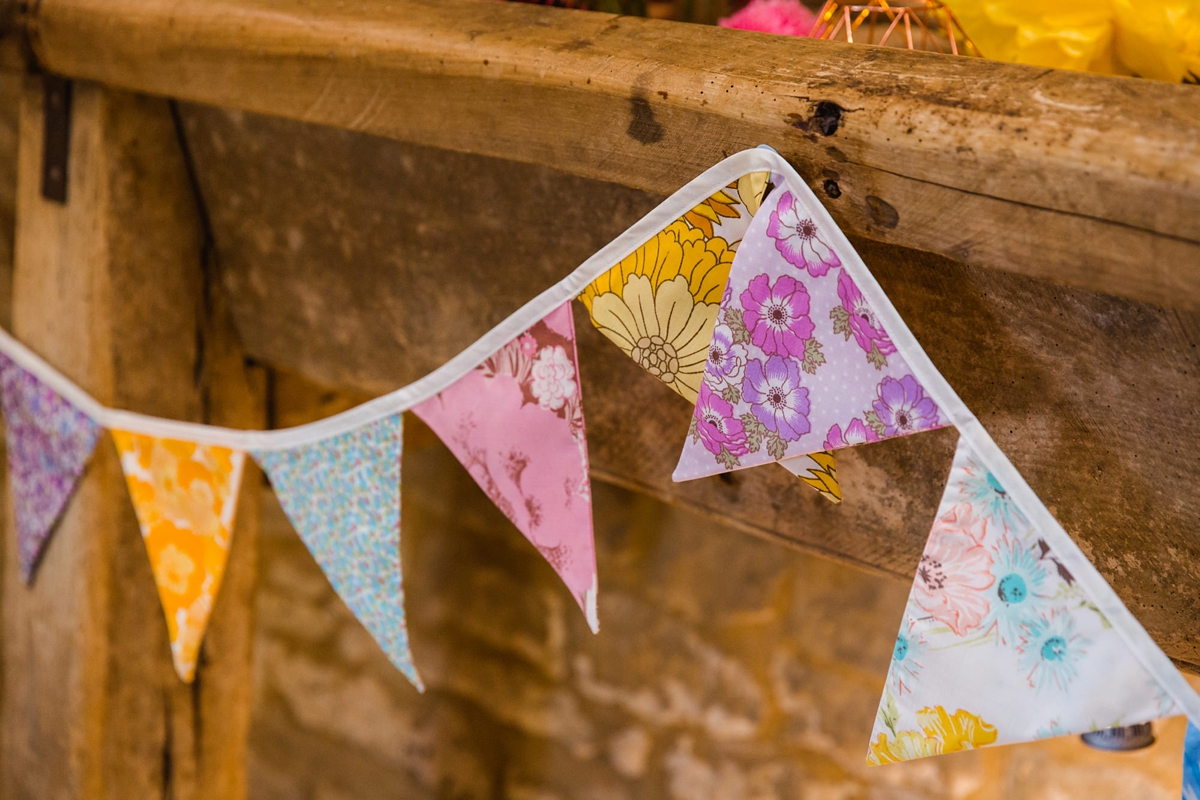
999 644
185 497
659 304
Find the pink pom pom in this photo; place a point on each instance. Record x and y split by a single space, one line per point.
787 17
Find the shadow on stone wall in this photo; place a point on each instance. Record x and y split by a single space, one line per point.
727 668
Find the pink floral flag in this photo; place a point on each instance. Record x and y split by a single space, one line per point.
516 423
1000 643
799 362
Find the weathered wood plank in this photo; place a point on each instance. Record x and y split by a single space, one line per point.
110 288
1081 179
382 260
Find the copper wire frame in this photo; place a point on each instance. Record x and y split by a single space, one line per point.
846 19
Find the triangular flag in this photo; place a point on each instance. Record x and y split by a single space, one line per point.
516 423
185 497
1191 763
660 303
815 368
999 642
818 471
49 444
342 495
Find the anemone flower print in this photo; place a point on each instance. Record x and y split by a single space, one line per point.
1050 650
726 363
717 429
776 316
901 408
795 235
907 655
776 398
854 317
856 433
955 571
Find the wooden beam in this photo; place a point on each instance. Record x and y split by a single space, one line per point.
378 261
1080 179
110 287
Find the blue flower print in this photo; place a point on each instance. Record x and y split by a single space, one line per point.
1021 585
1050 650
981 489
908 653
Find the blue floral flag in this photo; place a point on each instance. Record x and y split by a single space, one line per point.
1191 764
342 494
999 642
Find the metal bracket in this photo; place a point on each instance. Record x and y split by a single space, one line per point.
56 144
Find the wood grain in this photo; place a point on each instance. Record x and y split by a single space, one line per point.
382 260
1084 180
111 289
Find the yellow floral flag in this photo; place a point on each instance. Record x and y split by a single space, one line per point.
660 304
185 497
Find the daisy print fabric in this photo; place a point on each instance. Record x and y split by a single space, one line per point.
805 366
660 304
999 644
516 423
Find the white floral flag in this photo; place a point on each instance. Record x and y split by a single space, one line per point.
516 423
999 642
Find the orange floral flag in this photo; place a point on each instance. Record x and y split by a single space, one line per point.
185 497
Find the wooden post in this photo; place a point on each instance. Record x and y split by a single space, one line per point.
111 288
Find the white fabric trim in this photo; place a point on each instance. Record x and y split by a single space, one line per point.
993 458
696 191
684 200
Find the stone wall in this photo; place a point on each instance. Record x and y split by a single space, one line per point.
727 668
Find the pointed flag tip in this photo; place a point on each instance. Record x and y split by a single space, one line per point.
590 607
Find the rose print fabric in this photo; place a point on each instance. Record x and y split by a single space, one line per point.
660 304
999 643
516 423
799 363
49 444
342 494
185 496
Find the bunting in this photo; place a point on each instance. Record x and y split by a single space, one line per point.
748 302
999 642
49 444
516 423
185 496
804 364
660 303
342 494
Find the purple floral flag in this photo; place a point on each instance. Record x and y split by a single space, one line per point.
49 444
799 363
516 423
